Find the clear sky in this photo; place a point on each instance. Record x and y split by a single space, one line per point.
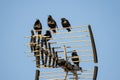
18 16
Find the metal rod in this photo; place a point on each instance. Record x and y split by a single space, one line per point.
93 44
72 32
65 54
33 51
63 28
74 27
95 73
73 61
81 51
82 36
88 71
61 71
84 55
36 36
84 61
85 45
81 55
64 43
77 51
83 74
52 78
70 42
42 66
53 71
28 44
83 77
58 33
49 76
37 75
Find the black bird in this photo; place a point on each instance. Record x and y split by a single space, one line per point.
65 24
76 59
61 62
45 39
52 23
48 34
67 66
32 41
38 26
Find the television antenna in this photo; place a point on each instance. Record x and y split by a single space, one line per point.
54 60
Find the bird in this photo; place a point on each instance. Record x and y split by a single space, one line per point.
67 66
48 35
38 26
75 58
52 23
46 38
61 62
66 24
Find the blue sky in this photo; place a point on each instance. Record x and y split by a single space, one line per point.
17 18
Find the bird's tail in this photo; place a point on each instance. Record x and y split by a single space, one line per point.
81 69
69 30
54 31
